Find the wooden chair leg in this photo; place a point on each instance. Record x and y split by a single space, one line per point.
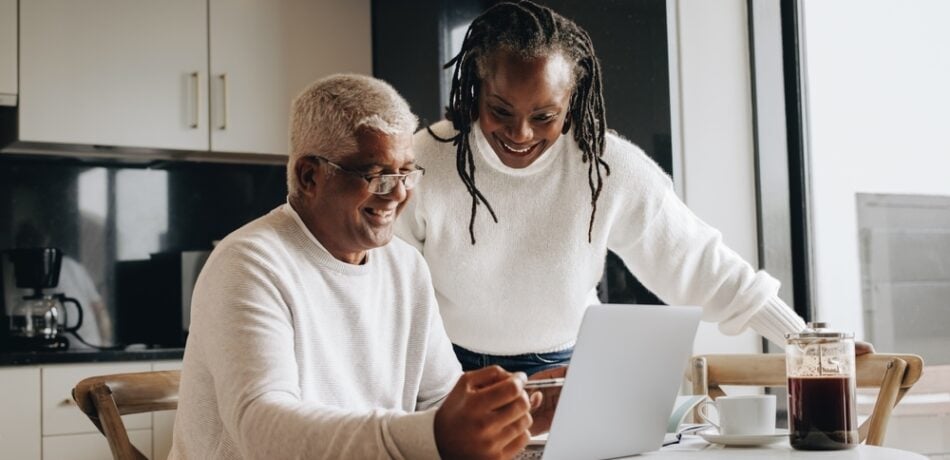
115 432
700 378
873 430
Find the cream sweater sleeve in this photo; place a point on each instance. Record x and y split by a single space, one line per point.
684 261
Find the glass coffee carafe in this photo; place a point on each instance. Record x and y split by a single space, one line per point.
821 385
38 321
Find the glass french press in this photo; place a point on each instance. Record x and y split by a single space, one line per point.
821 386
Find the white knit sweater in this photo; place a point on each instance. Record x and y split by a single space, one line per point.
295 354
524 285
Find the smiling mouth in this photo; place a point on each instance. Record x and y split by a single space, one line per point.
524 150
380 216
516 151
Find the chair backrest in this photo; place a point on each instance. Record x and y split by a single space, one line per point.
105 399
894 374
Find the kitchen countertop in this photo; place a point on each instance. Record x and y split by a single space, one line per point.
20 358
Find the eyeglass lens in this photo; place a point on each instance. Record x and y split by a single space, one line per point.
383 184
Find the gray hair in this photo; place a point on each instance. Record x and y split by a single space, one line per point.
326 116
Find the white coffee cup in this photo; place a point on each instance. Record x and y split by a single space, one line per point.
741 414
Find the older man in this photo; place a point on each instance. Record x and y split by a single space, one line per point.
314 334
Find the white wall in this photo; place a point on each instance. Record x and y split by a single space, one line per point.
714 119
878 114
8 52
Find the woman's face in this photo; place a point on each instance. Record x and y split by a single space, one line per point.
523 105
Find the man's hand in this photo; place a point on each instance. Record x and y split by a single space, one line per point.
486 416
543 413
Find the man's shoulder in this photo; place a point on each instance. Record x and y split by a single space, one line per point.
404 265
259 236
403 254
264 225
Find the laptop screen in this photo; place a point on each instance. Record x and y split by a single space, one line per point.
626 371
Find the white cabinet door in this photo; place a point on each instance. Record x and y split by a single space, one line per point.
92 446
8 54
19 412
114 72
163 423
60 413
264 52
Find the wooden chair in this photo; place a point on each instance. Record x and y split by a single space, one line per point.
104 399
893 374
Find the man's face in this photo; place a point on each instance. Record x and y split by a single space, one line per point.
348 219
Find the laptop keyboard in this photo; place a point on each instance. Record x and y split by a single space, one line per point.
531 453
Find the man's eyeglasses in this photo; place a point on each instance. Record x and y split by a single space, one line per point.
381 184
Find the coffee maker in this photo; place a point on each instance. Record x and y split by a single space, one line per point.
38 320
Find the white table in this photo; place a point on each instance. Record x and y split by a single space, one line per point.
693 447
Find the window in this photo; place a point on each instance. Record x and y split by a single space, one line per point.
865 112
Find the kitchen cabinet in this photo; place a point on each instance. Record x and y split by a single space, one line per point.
19 412
91 446
60 414
8 52
114 72
195 75
39 419
255 75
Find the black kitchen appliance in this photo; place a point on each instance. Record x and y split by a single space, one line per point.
154 297
38 320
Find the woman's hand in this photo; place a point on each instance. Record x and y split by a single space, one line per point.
862 348
543 411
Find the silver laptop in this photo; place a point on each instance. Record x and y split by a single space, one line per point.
623 379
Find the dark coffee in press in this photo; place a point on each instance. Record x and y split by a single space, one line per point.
820 413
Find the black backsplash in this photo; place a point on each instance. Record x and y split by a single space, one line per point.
104 214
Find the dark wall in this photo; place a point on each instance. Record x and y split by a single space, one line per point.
629 37
406 51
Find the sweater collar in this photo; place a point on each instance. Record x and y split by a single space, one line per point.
322 251
484 149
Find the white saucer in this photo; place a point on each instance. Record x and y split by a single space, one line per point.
744 439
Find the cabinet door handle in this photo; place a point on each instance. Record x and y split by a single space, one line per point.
196 106
224 101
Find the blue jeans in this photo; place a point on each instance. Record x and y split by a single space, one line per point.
528 363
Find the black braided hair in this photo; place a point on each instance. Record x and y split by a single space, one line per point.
529 30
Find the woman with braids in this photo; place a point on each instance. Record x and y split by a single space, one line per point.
526 190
